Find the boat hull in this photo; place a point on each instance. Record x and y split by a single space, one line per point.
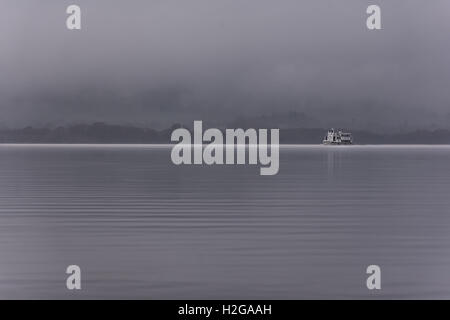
336 143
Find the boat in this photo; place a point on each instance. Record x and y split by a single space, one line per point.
338 137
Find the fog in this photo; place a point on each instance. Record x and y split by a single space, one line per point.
157 62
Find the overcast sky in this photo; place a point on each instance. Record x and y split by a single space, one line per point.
156 62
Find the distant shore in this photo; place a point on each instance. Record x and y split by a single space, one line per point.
101 133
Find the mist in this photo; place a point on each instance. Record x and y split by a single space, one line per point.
155 63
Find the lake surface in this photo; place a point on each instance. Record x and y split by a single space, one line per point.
141 227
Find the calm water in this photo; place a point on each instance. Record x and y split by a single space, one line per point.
141 227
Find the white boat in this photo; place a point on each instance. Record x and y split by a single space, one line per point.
338 137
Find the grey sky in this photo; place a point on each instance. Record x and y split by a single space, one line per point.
156 62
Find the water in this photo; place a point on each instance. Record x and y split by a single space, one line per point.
141 227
